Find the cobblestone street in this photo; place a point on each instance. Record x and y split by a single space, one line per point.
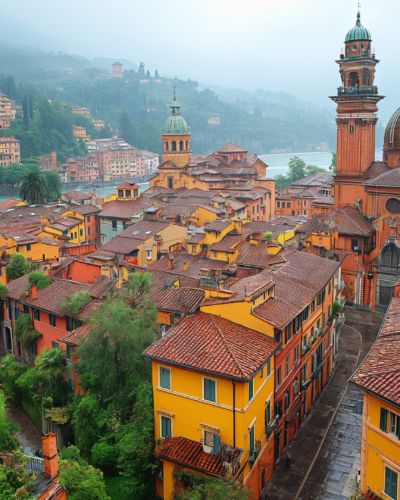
29 435
326 450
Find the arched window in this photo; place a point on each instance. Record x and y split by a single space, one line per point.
354 79
166 146
181 146
187 145
173 146
393 206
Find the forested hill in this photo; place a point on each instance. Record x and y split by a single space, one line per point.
35 73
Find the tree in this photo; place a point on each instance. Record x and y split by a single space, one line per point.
334 162
25 331
105 132
203 488
313 169
15 482
3 290
296 169
74 303
126 128
148 74
156 74
8 442
282 181
25 113
141 69
32 190
82 481
53 185
17 267
51 365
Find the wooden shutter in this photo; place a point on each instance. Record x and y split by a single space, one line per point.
216 444
383 423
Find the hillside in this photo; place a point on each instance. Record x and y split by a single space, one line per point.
257 125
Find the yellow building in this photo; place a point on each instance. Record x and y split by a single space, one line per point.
213 401
379 378
73 229
7 111
80 133
9 151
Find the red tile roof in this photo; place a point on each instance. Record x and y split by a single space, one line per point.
143 230
257 256
229 243
9 203
77 195
194 264
122 245
377 168
229 147
179 299
86 209
208 343
120 209
379 373
128 185
390 178
218 225
190 454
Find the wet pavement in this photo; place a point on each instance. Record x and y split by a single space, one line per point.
29 435
326 449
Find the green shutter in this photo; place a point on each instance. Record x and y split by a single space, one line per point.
251 440
165 378
383 424
251 389
166 427
209 389
267 414
216 447
391 479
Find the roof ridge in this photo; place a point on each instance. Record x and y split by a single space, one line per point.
226 345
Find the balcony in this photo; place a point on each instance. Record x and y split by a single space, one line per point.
361 90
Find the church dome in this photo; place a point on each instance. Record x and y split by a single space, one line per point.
358 33
175 124
392 132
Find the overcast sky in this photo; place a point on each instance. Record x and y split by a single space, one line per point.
278 45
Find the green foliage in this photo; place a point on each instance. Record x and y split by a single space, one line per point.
51 365
59 416
334 162
74 303
191 486
313 169
282 182
39 279
53 185
25 330
119 488
17 267
32 187
297 169
15 481
267 235
82 482
3 290
336 309
104 457
8 442
72 454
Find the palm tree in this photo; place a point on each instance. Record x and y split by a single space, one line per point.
32 187
51 364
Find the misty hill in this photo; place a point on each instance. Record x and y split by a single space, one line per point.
257 124
106 63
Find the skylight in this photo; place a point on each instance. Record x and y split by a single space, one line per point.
136 231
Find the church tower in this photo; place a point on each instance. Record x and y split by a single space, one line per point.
356 101
176 137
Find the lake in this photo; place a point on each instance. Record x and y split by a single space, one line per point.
277 164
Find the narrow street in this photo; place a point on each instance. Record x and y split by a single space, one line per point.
29 435
326 450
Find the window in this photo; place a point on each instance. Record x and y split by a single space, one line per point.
69 323
120 193
166 427
149 254
52 320
251 389
88 231
354 244
283 204
210 390
268 413
28 247
114 224
251 439
54 345
26 309
329 288
394 424
304 203
287 366
287 333
76 234
278 377
391 480
165 377
268 368
88 218
37 314
304 212
312 306
287 399
289 204
305 313
278 204
193 248
296 354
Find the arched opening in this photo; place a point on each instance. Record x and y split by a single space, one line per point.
181 146
166 146
8 339
173 146
187 145
354 79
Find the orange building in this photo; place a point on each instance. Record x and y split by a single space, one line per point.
9 151
7 111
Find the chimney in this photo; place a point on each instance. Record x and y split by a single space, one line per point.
50 455
170 261
33 291
185 266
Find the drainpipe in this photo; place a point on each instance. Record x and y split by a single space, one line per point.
234 406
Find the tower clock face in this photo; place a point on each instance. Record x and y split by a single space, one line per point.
354 48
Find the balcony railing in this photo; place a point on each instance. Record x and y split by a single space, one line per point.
359 90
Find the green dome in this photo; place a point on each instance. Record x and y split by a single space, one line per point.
175 124
358 32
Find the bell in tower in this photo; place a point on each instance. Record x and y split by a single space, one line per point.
356 100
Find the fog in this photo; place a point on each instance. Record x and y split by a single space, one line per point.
289 46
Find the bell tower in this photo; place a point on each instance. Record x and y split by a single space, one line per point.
356 100
176 137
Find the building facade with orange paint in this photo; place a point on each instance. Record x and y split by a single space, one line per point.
7 111
10 151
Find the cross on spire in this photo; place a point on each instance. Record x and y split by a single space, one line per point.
174 93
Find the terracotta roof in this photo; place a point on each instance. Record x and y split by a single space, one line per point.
174 299
229 147
125 209
102 254
86 209
194 264
9 203
390 178
324 200
174 210
208 343
229 243
128 185
218 225
379 373
257 256
352 222
190 454
77 195
122 245
316 179
143 230
377 168
74 337
196 238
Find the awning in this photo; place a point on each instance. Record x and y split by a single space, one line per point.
291 416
